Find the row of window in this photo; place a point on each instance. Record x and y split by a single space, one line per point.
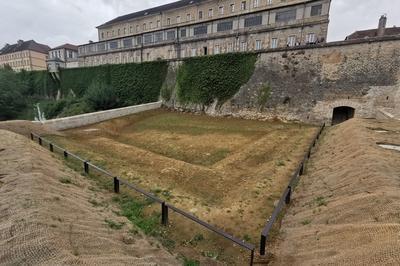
58 54
18 63
14 56
282 16
238 46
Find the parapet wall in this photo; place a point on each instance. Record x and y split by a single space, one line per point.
307 83
93 118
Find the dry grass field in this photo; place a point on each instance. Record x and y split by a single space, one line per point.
228 172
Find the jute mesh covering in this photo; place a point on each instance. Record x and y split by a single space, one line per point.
45 221
346 210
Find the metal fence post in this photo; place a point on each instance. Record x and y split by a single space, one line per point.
252 257
32 136
40 141
262 245
51 147
65 155
289 195
164 214
116 185
301 169
86 167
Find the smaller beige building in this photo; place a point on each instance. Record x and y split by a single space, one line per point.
24 55
64 56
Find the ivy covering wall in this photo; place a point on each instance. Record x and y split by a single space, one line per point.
201 80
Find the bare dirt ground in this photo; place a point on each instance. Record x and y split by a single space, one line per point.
228 172
50 215
346 211
25 128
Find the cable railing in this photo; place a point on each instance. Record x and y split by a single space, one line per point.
165 206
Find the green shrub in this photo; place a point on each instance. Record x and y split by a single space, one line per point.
101 96
201 80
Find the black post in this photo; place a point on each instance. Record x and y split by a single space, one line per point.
302 169
32 136
65 155
288 196
86 167
40 141
262 245
164 214
116 185
51 147
252 257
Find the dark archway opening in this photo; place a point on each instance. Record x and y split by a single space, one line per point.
341 114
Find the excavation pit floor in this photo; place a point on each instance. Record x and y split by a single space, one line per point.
227 171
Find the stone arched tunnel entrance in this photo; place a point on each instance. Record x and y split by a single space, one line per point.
341 114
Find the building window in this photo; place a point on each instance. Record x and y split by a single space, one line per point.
150 25
158 23
310 38
170 35
144 26
253 21
286 16
256 3
217 49
158 37
102 35
243 5
258 45
131 29
210 13
199 30
188 17
124 30
221 10
200 14
232 8
137 28
147 38
178 19
139 40
316 10
113 45
291 41
127 43
119 32
274 43
183 33
230 47
243 46
168 21
194 52
269 2
224 26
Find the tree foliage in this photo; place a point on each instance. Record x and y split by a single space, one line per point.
11 94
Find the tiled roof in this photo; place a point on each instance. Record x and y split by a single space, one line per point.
373 33
66 46
23 46
152 11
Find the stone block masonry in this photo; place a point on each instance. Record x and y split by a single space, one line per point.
307 83
93 118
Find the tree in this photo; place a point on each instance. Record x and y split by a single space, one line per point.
11 99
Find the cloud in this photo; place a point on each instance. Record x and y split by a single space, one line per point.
55 22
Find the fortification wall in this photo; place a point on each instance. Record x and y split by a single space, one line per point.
307 83
93 118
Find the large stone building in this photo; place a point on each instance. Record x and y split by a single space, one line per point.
200 27
64 56
28 55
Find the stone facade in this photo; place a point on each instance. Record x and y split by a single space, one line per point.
64 56
203 27
306 84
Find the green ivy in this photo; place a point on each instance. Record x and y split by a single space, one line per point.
201 80
39 83
133 83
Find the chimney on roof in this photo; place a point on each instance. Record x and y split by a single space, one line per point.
382 26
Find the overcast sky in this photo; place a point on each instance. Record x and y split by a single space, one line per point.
55 22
